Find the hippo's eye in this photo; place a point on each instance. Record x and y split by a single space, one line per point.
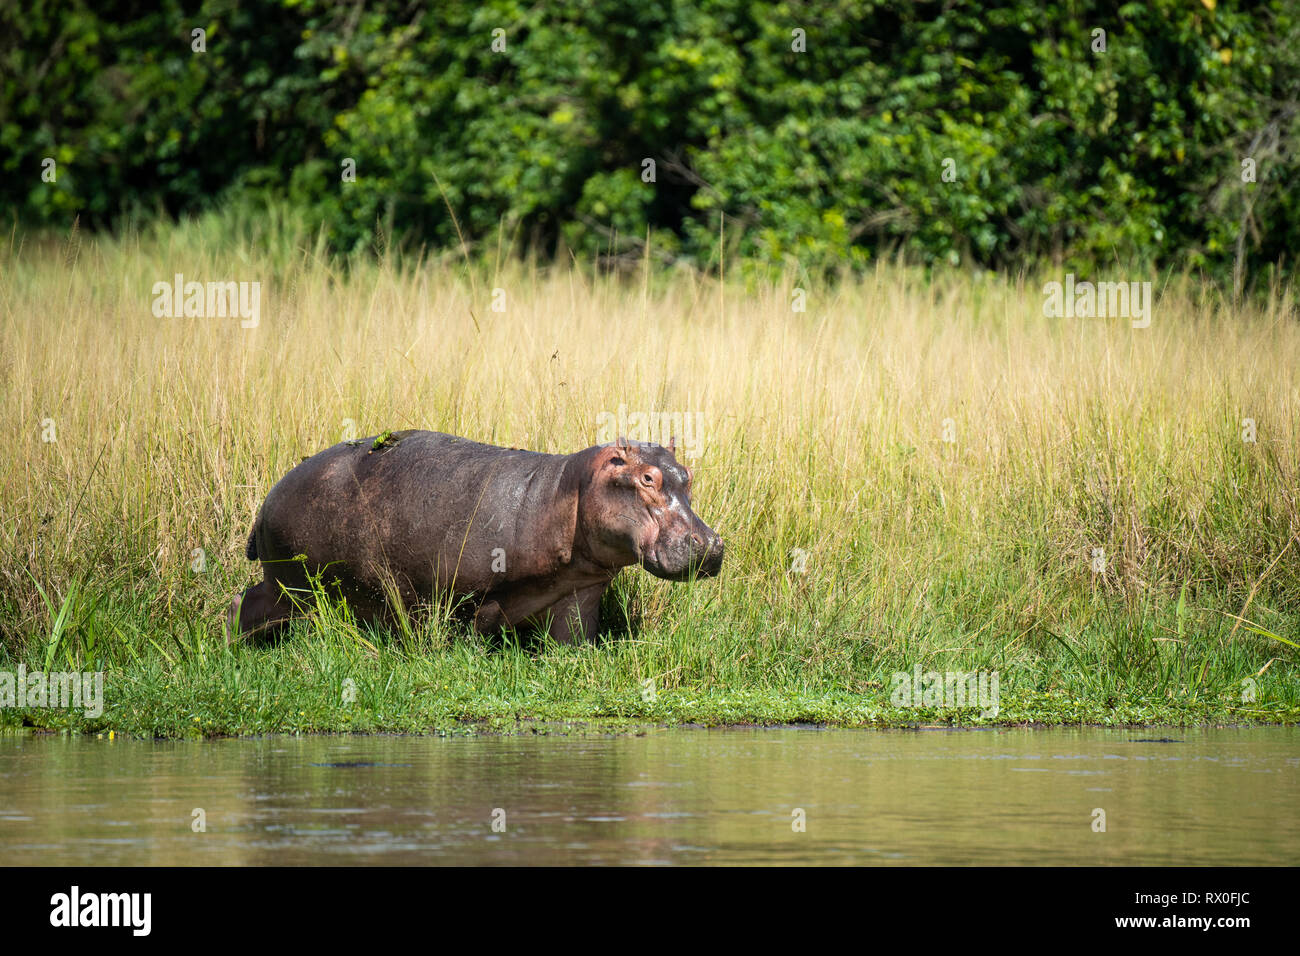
647 479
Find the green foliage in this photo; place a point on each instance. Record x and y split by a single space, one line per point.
822 156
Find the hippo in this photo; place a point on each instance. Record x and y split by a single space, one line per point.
517 539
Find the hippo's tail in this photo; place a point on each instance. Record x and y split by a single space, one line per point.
251 550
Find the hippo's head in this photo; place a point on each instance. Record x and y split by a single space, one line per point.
636 509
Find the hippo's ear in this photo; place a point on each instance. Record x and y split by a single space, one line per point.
614 453
672 444
627 448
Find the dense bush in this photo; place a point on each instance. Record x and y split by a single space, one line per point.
834 153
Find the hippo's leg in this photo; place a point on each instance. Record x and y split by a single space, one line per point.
577 616
489 618
259 612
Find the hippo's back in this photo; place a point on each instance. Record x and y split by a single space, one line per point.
423 504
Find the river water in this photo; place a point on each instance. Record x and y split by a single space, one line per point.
681 796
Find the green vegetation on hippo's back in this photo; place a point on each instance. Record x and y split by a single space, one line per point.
385 439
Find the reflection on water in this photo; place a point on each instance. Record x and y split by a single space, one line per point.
670 796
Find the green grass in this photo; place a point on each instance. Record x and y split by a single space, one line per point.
329 675
860 543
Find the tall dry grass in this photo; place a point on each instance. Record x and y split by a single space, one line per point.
823 432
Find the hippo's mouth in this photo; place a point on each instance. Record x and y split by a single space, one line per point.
697 565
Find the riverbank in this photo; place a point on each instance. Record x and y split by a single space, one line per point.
307 686
910 471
